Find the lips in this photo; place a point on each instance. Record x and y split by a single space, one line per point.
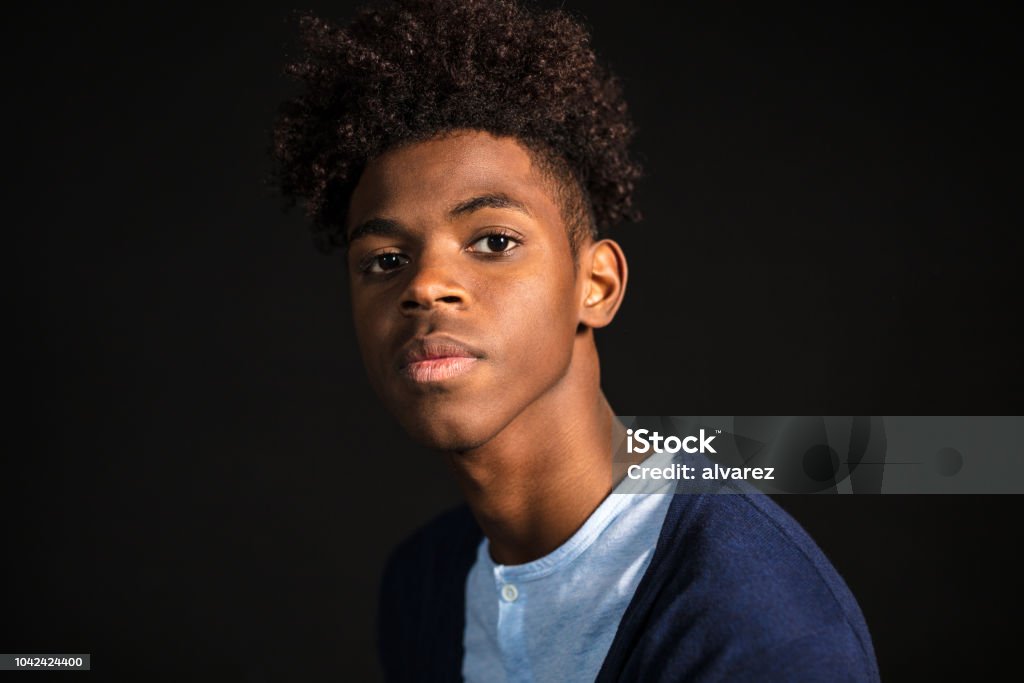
437 358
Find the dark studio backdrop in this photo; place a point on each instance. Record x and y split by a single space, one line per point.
197 481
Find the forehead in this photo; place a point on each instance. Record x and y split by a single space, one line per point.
427 178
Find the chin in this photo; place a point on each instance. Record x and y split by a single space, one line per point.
454 431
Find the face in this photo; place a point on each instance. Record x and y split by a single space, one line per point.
464 292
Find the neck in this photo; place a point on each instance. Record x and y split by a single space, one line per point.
538 480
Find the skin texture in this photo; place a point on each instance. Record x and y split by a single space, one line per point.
525 428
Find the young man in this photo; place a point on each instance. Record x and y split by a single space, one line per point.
470 155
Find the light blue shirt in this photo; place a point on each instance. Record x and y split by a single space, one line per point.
554 619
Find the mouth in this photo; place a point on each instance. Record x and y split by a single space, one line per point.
437 359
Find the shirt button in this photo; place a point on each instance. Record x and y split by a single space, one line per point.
509 592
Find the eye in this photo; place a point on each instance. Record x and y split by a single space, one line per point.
495 243
384 263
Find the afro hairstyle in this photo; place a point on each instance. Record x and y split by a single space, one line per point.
410 70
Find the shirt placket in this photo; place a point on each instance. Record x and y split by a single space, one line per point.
511 598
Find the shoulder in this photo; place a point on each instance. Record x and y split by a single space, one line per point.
737 586
746 542
434 545
433 555
421 597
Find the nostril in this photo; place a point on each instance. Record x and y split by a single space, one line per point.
449 299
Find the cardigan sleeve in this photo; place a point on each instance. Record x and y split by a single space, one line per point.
829 655
738 591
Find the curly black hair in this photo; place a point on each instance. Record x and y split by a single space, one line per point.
410 70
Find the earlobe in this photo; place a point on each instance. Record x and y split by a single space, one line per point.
606 272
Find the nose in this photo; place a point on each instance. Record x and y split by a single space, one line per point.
434 284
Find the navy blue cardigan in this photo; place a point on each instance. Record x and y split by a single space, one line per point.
736 590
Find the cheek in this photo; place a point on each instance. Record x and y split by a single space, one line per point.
538 320
371 328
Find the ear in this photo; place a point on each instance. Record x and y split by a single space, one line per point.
604 272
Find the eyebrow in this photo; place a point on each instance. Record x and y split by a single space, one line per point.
388 227
494 200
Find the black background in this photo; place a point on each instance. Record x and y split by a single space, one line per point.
196 480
